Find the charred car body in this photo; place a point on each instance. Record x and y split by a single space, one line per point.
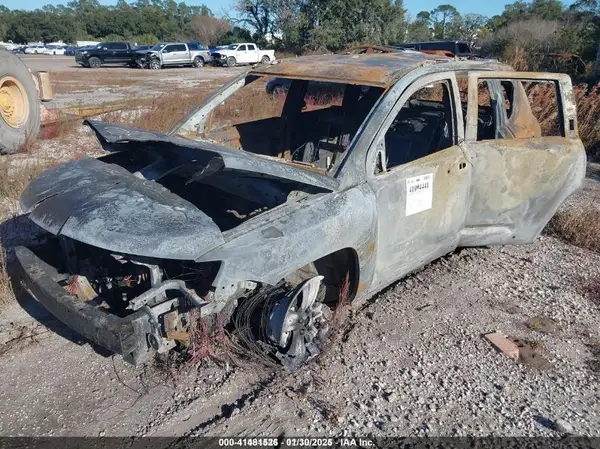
365 169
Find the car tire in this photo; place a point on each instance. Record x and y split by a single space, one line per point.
231 61
24 119
265 59
154 64
94 62
54 53
198 62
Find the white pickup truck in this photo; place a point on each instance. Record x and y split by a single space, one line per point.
243 54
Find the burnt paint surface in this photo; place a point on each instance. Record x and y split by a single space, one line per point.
106 206
365 212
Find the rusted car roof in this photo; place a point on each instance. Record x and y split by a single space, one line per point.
379 70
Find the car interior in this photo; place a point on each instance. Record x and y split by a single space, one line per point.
423 126
314 124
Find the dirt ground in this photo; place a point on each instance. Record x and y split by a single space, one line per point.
411 362
77 86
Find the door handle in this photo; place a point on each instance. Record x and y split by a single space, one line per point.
462 165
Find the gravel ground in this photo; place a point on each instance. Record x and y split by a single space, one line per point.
410 362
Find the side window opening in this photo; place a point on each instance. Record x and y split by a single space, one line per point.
424 125
518 109
304 121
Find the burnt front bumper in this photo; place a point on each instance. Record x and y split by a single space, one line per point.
126 336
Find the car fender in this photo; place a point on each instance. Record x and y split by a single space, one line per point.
286 238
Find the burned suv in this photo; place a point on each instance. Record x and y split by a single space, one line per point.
284 204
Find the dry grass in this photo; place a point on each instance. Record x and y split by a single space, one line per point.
590 289
15 177
578 226
207 340
7 295
159 113
588 117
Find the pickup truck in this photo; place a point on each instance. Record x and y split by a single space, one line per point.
174 53
243 54
106 52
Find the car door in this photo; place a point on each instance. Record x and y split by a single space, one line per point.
121 52
526 160
180 54
252 55
169 55
241 54
108 52
420 177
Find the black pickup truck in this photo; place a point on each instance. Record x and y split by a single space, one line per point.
106 53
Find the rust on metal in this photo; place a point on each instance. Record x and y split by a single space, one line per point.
378 70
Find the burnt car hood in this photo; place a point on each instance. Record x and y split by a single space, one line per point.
117 138
106 206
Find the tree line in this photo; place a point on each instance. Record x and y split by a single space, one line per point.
535 26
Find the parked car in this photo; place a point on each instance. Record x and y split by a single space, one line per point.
54 50
444 48
270 217
35 49
243 54
19 50
70 50
167 54
106 53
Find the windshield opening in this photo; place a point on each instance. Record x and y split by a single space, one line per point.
232 46
157 47
303 121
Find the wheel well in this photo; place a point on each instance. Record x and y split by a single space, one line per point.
341 274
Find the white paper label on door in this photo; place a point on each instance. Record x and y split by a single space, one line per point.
419 193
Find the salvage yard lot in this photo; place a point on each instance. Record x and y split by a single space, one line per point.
412 361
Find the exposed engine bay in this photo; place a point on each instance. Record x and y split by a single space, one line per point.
127 229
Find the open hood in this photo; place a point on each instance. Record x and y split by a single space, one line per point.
106 206
118 138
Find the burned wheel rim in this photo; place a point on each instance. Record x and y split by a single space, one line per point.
295 322
154 65
14 104
198 62
265 60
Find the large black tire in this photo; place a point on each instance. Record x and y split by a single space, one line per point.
17 124
231 61
198 62
94 62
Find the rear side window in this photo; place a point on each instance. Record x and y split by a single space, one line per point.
251 47
518 109
321 95
120 46
242 48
